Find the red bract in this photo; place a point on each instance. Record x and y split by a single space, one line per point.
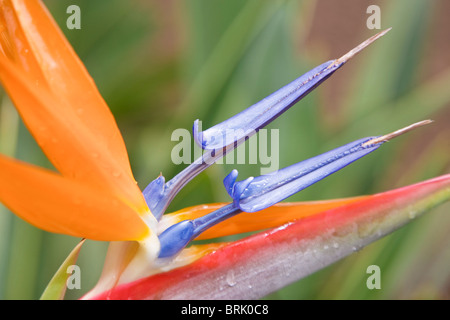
260 264
94 195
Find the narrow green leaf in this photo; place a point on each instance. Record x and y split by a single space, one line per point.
56 288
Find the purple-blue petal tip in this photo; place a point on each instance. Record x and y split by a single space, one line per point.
154 194
264 191
247 123
198 134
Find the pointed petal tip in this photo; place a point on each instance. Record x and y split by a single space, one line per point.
358 48
392 135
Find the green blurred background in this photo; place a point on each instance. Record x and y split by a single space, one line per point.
162 64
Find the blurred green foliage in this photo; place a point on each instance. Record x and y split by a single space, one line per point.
162 64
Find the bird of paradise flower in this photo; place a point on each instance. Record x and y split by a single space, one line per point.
94 195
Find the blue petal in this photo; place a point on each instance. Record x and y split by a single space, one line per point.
264 191
246 123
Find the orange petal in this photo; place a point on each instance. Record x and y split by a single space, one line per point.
13 43
57 204
271 217
70 145
42 50
48 83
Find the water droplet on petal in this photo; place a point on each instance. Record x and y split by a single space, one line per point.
231 279
116 174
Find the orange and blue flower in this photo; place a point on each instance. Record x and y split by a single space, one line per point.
93 194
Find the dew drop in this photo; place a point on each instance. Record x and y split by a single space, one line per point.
116 174
336 245
231 280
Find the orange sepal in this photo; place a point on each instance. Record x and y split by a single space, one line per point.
61 205
59 102
33 42
67 142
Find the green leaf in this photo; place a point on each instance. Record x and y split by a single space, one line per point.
56 288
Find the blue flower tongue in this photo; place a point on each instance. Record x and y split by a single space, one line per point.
246 123
266 190
258 193
243 125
